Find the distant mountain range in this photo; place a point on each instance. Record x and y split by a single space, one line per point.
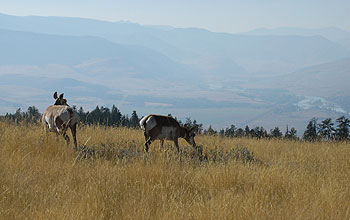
195 47
218 78
334 34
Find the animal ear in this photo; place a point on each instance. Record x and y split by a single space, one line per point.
55 95
61 96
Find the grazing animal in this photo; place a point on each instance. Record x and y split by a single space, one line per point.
159 127
58 117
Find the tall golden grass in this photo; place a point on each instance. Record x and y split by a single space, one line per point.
43 179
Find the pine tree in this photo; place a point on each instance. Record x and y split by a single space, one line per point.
95 116
230 132
287 134
134 120
259 132
310 133
239 132
115 116
247 131
342 130
210 131
198 127
33 114
105 116
326 130
188 122
276 132
82 115
293 134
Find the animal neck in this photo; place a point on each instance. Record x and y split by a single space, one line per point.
183 132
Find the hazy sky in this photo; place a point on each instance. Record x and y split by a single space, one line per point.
219 15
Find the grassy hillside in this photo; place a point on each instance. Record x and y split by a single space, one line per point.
44 179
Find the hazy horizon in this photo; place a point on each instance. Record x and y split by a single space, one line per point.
259 78
219 16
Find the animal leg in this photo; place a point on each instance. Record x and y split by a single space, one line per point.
73 129
61 129
46 131
148 142
161 143
176 142
66 137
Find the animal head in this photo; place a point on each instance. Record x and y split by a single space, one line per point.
189 135
59 100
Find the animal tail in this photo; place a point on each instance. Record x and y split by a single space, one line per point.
143 122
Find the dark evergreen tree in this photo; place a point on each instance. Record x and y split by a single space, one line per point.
293 134
134 119
310 134
276 133
115 116
94 116
342 130
222 132
230 132
239 132
210 131
81 114
198 127
287 134
188 122
18 115
105 116
247 131
125 122
259 132
33 114
326 129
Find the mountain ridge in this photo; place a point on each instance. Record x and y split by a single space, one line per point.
186 45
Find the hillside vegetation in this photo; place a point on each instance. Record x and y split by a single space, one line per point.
41 178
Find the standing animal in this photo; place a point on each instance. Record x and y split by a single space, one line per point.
159 127
58 117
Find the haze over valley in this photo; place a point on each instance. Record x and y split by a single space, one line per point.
264 77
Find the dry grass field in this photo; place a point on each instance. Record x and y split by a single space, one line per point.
44 179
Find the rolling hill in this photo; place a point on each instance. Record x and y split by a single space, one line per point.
217 78
331 33
196 47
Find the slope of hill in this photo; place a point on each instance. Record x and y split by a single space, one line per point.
323 87
257 54
25 48
329 81
21 91
324 80
334 34
213 77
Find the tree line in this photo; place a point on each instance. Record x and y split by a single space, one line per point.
325 130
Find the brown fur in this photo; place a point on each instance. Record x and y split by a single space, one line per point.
166 121
59 117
